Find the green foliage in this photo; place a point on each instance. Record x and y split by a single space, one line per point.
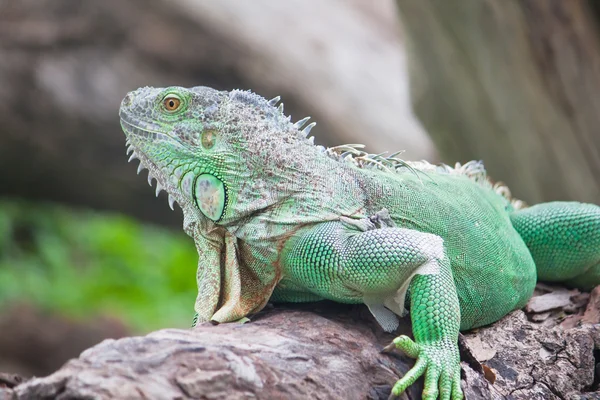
84 263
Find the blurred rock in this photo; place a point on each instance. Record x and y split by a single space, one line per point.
33 342
65 65
341 62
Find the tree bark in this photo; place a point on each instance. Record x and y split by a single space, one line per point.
327 351
515 83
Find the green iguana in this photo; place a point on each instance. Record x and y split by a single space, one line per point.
275 216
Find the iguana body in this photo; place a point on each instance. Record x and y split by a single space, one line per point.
274 216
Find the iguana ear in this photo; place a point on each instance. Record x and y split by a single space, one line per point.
210 196
207 192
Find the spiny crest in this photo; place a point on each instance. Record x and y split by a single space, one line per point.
246 96
141 167
475 171
304 131
354 154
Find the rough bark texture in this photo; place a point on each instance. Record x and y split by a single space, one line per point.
331 352
515 83
65 65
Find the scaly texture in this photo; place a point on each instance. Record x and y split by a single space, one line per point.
275 217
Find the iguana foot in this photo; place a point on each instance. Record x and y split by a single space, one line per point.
438 360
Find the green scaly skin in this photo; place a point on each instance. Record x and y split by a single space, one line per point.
275 217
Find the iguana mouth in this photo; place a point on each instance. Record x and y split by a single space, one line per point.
141 129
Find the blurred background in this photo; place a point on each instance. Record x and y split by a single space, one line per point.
87 252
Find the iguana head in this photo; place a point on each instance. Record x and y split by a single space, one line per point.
206 147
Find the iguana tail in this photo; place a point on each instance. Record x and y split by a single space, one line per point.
564 241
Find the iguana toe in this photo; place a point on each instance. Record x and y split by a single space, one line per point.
439 361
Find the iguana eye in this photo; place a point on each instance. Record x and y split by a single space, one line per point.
172 103
208 139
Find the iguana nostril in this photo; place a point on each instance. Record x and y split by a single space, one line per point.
127 100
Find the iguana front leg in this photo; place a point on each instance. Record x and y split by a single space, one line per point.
343 262
434 310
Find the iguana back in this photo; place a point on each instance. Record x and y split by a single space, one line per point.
484 249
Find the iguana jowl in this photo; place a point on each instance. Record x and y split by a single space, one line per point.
274 216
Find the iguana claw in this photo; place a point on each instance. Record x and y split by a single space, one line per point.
389 348
438 360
